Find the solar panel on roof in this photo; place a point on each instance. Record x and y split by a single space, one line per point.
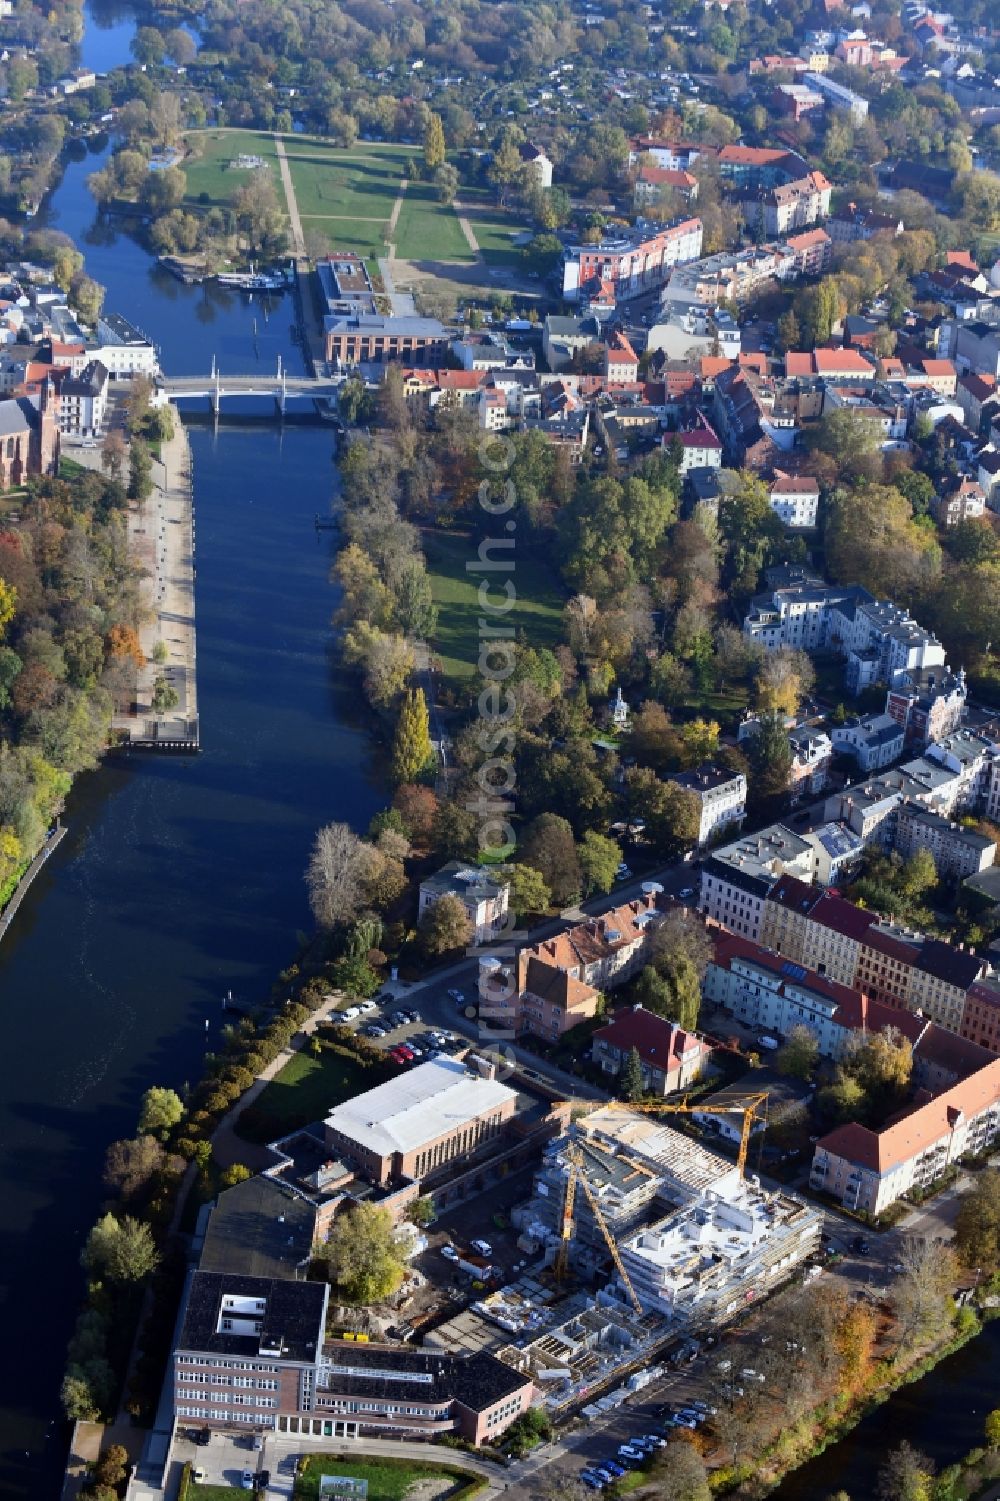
793 971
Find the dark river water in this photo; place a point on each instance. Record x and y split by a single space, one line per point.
180 877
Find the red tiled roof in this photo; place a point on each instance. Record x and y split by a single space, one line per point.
713 364
793 484
807 239
667 177
832 361
938 367
797 363
659 1042
880 1151
751 156
696 437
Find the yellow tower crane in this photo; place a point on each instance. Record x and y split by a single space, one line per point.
750 1106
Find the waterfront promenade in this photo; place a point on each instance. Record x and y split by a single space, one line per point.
161 543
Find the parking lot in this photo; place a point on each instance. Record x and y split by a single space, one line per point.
225 1459
399 1027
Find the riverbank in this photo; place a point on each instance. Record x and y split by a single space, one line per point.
52 841
161 542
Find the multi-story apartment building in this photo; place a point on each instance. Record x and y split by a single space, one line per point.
812 753
553 985
630 261
796 205
874 742
958 852
929 703
870 1169
794 499
721 794
838 96
83 401
855 947
736 880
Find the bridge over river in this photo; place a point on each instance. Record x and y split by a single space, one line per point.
215 387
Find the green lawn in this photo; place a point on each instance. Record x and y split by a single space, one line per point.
210 172
304 1091
537 613
339 182
344 234
428 230
388 1479
211 1492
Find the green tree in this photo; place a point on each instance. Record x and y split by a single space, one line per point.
434 149
148 47
770 761
236 1173
113 1465
549 848
78 1399
421 1211
161 1110
445 926
140 476
797 1058
364 1255
977 1224
528 891
679 1473
412 750
164 696
599 859
121 1250
630 1082
991 1429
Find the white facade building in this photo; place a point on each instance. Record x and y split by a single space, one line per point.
722 798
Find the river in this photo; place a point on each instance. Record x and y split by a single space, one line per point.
179 877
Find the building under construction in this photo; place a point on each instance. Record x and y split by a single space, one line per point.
691 1238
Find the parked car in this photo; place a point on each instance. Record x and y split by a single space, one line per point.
367 1007
457 997
594 1481
449 1253
686 892
203 1436
482 1248
198 1475
350 1013
398 1019
862 1246
247 1480
256 1442
406 1051
617 1470
623 873
769 1044
263 1480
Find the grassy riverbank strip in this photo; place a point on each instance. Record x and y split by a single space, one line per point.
833 1420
